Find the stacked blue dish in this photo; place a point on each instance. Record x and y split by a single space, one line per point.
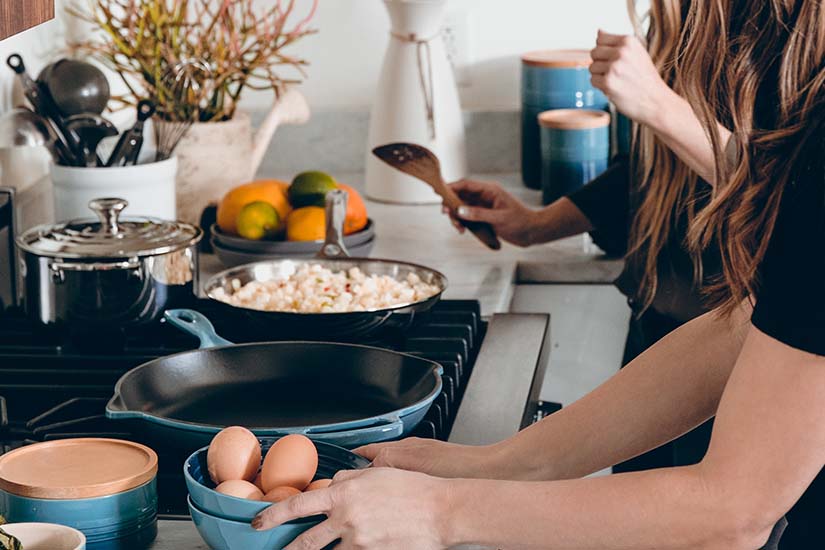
552 79
224 521
104 488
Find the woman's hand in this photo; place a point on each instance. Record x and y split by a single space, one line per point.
373 509
624 71
488 202
432 457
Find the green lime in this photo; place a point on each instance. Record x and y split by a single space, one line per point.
310 189
258 220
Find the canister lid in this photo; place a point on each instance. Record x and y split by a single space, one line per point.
574 119
77 468
557 59
109 236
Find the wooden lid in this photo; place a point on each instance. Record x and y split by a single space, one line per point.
558 59
77 468
574 119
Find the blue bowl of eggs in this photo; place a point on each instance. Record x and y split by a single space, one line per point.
238 476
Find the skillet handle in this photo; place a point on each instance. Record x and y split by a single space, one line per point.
196 324
336 214
392 428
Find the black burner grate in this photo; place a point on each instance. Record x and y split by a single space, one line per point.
55 385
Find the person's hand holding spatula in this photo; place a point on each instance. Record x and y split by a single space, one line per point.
421 163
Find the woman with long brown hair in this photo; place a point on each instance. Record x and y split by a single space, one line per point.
756 362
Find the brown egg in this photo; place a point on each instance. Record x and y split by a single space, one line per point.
241 489
281 493
233 454
292 461
318 484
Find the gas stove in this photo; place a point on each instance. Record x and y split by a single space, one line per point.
55 384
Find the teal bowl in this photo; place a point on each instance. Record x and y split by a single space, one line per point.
331 460
123 520
225 534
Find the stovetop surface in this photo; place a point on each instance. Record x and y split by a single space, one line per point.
55 385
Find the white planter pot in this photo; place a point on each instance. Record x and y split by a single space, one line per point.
149 188
213 158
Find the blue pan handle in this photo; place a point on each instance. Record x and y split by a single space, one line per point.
196 324
387 429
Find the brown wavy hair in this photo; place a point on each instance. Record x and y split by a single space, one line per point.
756 66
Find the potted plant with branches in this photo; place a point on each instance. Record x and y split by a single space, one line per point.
195 59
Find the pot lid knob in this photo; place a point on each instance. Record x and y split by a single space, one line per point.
108 211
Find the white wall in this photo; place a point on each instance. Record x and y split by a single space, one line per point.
347 52
35 45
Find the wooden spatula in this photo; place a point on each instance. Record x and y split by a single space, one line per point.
421 163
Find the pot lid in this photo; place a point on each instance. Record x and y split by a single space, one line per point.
60 469
109 236
557 59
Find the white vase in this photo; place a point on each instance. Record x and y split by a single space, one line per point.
149 188
416 101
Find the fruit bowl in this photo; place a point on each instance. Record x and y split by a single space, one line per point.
286 248
331 459
231 257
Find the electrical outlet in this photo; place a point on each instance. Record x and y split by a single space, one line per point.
459 45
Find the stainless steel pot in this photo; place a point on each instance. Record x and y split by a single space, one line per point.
108 272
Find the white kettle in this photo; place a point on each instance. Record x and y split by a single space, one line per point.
416 101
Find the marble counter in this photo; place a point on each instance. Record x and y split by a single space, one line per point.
422 234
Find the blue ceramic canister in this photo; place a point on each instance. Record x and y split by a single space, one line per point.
575 148
104 488
551 79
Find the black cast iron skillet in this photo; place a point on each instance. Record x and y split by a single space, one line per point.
333 256
344 394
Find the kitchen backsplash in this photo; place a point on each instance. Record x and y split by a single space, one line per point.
336 141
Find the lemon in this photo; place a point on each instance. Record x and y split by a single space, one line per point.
310 189
306 224
258 220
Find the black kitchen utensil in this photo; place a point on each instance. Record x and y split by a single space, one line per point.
333 256
75 86
67 144
344 394
91 129
128 146
421 163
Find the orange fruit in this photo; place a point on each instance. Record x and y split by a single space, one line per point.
306 224
356 211
273 192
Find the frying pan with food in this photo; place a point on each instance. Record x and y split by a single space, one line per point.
333 256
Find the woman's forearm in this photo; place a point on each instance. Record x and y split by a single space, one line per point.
662 394
558 220
676 124
654 510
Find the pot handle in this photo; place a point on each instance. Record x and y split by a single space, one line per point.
196 324
108 211
390 428
336 214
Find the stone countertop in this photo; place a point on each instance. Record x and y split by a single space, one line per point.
422 234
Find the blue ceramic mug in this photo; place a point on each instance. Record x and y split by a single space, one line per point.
552 79
575 148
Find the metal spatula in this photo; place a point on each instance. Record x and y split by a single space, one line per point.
421 163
